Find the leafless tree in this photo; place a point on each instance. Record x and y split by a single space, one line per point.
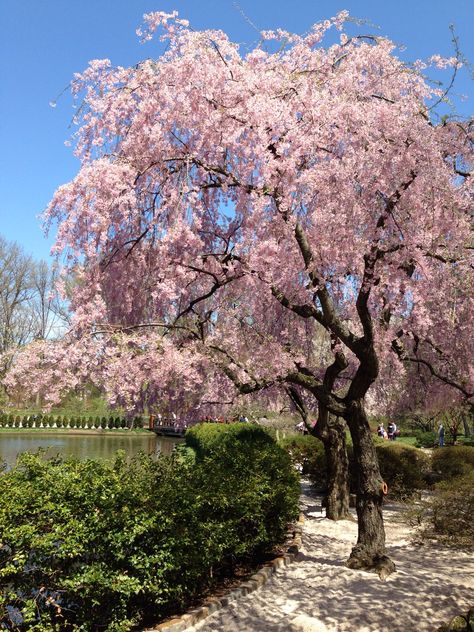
16 290
29 305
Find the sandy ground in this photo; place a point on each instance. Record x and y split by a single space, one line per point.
317 593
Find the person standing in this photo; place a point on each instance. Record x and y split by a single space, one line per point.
391 431
441 435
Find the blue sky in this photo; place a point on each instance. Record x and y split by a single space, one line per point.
43 42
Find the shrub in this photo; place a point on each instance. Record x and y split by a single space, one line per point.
91 545
452 461
460 623
137 423
426 439
307 454
255 487
403 467
452 511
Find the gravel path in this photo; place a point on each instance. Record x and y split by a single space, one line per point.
317 593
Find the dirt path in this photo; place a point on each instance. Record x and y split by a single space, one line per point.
318 593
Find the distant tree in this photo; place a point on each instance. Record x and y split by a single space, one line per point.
16 289
30 307
49 314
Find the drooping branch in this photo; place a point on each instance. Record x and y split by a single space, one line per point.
299 404
215 287
401 352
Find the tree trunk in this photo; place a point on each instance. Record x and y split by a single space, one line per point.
465 421
332 432
337 462
369 552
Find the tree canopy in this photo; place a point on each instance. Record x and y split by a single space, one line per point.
231 209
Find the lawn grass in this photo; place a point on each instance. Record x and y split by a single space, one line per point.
406 440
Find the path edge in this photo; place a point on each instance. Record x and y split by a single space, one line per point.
255 582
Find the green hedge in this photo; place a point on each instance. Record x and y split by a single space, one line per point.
256 489
49 421
452 511
404 468
88 546
307 455
452 461
426 439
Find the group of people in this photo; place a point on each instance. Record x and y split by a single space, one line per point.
390 433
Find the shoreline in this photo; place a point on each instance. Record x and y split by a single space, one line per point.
118 432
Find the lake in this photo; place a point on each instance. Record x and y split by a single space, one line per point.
99 445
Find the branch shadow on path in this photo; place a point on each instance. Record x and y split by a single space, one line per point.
318 593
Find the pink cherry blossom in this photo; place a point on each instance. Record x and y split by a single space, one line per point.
242 223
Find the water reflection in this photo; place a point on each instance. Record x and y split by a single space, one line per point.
99 445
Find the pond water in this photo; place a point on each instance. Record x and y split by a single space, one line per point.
96 446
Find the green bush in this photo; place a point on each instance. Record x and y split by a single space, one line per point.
90 545
137 422
460 623
255 488
452 461
307 455
403 467
452 511
425 439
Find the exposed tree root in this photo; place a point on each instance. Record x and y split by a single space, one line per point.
361 559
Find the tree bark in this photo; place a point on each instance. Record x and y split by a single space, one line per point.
337 462
465 421
369 553
331 431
